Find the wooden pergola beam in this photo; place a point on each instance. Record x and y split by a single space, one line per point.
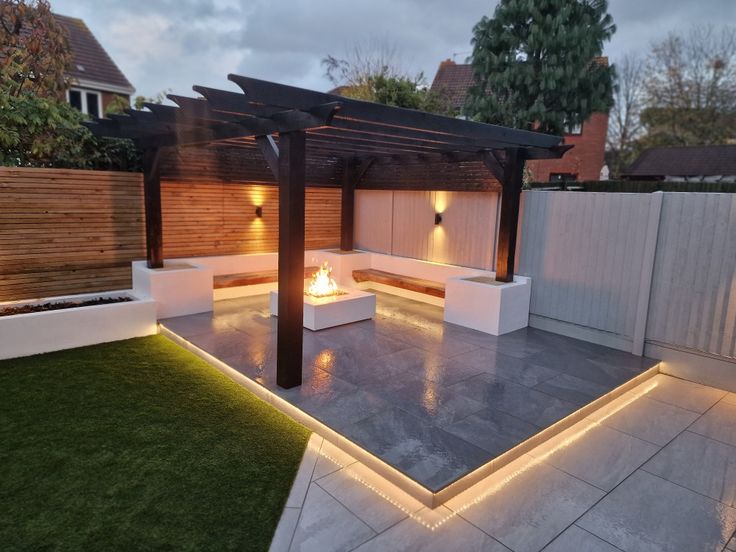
513 176
292 178
152 201
353 172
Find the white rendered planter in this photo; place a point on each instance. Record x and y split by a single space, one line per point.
178 288
488 306
326 312
42 332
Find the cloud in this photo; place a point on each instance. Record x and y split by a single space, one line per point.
162 44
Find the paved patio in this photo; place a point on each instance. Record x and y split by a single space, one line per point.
654 471
432 399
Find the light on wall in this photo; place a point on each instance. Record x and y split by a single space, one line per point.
437 218
259 212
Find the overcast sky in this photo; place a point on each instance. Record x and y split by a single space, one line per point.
173 44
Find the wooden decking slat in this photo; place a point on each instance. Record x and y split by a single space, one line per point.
253 278
428 287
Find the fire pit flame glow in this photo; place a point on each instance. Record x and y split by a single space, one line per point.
322 283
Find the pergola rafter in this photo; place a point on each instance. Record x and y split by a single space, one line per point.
358 141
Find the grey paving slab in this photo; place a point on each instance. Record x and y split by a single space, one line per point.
647 419
527 404
492 430
572 389
730 398
497 364
589 369
407 360
421 450
601 456
649 514
700 464
359 499
433 402
718 423
533 508
685 394
575 539
325 525
454 535
281 541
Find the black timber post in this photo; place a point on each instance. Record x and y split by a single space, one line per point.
513 177
292 176
347 206
152 202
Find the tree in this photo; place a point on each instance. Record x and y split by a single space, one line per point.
535 64
691 88
372 73
45 132
34 53
624 123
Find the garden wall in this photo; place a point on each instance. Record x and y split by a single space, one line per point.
66 231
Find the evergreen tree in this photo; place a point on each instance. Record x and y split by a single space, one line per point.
535 64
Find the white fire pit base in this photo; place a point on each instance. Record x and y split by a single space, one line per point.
326 312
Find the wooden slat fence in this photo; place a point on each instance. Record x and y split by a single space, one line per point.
66 231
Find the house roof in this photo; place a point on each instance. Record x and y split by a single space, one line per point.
453 80
685 161
91 64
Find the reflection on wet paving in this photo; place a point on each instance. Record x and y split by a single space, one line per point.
433 399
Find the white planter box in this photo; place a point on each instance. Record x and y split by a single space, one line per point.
43 332
336 310
178 288
492 307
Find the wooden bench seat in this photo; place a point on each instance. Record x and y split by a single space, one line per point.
419 285
253 278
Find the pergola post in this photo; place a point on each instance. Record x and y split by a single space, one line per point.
152 203
292 176
513 175
347 207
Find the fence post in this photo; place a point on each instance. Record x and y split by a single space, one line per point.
647 271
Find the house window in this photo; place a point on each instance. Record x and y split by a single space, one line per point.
86 101
562 177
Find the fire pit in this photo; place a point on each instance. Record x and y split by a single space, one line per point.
327 305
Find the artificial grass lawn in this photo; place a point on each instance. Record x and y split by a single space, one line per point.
138 445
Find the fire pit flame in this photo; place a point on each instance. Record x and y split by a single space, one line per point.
322 283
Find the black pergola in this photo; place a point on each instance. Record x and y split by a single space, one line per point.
293 130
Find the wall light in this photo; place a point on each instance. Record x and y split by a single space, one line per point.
437 218
259 212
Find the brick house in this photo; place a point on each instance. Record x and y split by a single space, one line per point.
95 78
583 162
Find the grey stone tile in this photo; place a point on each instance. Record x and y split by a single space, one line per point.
285 530
435 341
533 508
572 389
303 476
224 343
623 359
493 430
601 456
685 394
575 539
454 535
649 514
499 365
337 408
424 452
531 406
377 513
325 525
647 419
730 398
591 370
252 322
433 402
195 324
700 464
718 423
